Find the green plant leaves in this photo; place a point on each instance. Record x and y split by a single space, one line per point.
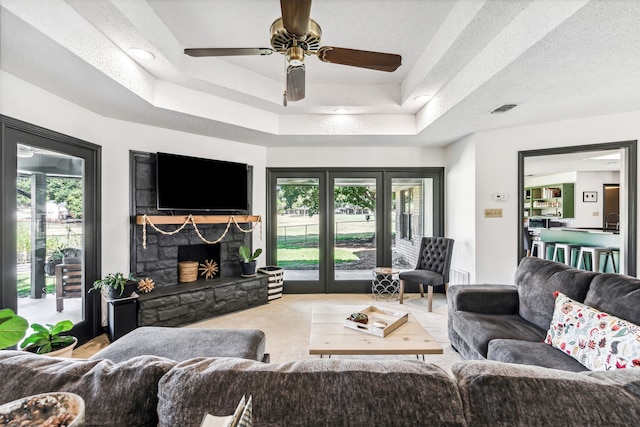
245 253
45 338
12 328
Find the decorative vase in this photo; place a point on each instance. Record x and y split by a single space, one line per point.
129 288
248 269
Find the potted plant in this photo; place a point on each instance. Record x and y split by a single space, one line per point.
116 284
49 339
12 328
248 263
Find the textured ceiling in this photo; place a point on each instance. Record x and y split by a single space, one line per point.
556 60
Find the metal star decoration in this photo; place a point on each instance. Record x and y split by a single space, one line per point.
208 269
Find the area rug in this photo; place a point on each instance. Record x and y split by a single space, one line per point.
287 321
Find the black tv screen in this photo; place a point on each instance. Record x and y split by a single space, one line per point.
193 184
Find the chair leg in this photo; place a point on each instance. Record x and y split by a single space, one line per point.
421 290
401 296
430 298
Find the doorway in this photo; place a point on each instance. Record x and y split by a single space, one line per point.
330 227
586 204
50 223
611 207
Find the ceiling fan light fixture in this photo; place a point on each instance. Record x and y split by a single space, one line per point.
295 55
139 53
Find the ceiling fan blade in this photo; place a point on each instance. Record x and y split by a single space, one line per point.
198 52
360 58
295 16
295 82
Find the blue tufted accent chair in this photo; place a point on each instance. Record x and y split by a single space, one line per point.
434 262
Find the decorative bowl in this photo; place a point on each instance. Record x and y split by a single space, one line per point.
58 409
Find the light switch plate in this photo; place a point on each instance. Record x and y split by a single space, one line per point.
493 213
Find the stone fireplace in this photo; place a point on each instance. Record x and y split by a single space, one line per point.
173 303
201 254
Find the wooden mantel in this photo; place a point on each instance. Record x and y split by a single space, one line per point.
199 219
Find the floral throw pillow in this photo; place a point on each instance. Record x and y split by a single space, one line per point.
594 338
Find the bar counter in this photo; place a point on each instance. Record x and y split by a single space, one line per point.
582 236
585 237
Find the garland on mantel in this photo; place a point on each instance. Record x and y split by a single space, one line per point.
190 219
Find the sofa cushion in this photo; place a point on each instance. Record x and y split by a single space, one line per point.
185 343
530 395
537 279
478 329
594 338
615 294
316 392
123 394
532 353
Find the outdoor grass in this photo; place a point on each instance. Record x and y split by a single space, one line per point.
309 256
298 238
24 285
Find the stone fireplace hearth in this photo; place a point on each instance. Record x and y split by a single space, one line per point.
172 303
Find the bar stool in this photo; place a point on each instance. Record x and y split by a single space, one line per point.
566 250
595 253
539 248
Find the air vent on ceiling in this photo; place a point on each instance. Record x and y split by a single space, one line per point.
504 108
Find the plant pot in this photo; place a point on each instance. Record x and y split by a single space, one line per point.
129 288
63 352
41 407
248 269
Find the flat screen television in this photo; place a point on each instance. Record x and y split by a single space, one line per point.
192 184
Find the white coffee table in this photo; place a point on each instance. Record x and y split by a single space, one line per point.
330 336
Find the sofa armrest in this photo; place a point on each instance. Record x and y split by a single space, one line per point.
487 299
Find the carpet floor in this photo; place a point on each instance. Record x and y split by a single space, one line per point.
287 323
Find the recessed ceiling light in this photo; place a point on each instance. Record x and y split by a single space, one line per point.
141 53
422 98
340 111
24 152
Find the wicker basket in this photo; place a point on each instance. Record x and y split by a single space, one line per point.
187 271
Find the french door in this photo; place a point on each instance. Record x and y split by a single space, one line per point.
50 227
329 228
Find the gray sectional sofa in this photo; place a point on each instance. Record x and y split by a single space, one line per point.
508 323
150 391
123 386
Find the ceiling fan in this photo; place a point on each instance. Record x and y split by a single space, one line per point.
296 36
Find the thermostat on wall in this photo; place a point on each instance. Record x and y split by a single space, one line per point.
500 197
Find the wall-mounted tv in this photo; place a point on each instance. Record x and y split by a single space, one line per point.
190 184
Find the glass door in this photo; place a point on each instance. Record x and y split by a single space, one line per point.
353 230
50 229
50 250
297 219
329 228
412 217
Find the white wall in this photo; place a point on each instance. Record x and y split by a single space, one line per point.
29 103
360 157
477 166
589 214
460 204
496 151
